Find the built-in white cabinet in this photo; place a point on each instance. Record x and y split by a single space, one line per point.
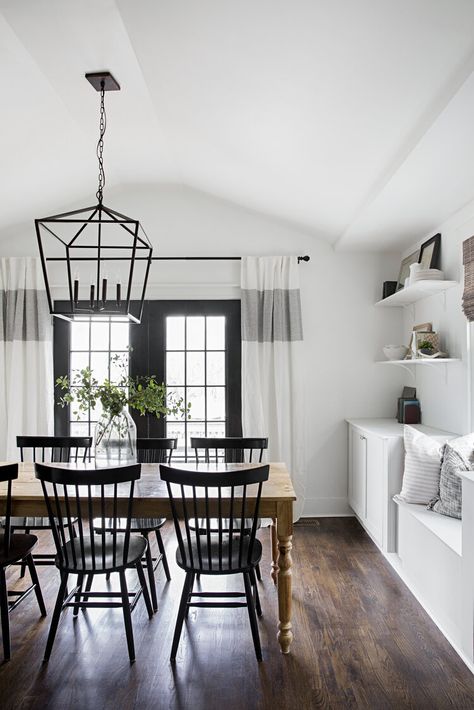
376 457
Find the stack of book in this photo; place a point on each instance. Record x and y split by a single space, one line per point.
409 411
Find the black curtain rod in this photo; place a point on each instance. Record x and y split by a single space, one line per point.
210 258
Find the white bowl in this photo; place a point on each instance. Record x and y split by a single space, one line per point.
395 352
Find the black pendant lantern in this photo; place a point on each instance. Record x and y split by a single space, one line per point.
96 258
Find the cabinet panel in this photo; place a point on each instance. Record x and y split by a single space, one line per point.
376 472
358 472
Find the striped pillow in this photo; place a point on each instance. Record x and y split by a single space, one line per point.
423 456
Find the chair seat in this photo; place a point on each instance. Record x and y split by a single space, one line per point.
225 525
144 525
225 567
20 546
101 559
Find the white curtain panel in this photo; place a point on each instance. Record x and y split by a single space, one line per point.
272 363
26 354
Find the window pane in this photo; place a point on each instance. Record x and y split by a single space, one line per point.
195 368
195 396
175 430
215 333
195 333
178 392
195 429
216 368
175 333
100 366
216 403
175 368
79 429
119 336
99 335
80 416
118 366
80 335
215 429
78 362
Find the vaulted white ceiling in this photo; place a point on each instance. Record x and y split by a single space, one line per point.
354 120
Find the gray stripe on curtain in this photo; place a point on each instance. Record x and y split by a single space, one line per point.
24 315
269 316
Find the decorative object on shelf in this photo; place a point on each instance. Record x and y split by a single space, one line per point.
430 253
425 344
408 408
405 268
426 275
115 432
389 288
100 256
395 352
468 294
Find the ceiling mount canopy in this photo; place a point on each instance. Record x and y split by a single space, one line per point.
95 260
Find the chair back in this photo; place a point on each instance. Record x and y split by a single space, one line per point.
231 449
8 474
89 494
155 450
193 494
57 449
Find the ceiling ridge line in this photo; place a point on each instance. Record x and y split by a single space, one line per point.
427 120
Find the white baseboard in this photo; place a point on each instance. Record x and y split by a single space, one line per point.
326 508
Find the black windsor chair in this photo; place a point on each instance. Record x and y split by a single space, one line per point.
14 548
60 449
71 492
231 449
191 494
151 451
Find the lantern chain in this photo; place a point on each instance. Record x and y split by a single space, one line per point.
100 144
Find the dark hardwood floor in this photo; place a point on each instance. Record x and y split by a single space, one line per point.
361 641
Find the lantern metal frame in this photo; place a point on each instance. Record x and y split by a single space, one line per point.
88 218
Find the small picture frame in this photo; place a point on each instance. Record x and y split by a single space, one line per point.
430 253
405 268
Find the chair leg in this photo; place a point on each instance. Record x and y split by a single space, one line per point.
162 550
190 592
151 574
252 616
4 615
127 616
90 577
255 589
34 578
259 574
58 607
181 613
23 562
141 576
80 582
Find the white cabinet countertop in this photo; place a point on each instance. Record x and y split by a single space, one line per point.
391 429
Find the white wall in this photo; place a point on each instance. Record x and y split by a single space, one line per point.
343 332
445 391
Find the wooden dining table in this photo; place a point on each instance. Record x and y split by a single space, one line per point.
151 500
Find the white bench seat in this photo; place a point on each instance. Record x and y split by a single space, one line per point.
448 530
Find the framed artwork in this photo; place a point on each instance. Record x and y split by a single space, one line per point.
430 253
405 268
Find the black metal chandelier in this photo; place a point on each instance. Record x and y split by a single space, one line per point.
95 259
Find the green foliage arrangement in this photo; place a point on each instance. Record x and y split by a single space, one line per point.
145 394
425 345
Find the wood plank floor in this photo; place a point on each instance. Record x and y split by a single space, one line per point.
362 641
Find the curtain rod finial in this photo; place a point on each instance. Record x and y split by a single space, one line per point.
303 258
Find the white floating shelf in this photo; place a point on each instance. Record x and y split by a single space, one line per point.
415 292
419 361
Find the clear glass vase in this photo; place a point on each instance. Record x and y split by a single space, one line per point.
115 439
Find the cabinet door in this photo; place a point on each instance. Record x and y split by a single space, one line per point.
358 466
376 470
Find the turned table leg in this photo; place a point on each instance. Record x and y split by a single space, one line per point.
273 531
285 536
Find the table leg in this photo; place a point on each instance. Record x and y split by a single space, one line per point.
273 531
285 536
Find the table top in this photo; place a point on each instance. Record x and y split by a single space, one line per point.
27 494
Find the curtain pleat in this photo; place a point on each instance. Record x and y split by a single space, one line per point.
26 354
272 363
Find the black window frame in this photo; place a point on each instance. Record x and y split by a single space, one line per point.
148 356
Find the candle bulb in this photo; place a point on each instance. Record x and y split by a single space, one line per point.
104 290
76 291
119 293
92 296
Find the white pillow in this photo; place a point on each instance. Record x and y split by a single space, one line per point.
423 456
464 445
